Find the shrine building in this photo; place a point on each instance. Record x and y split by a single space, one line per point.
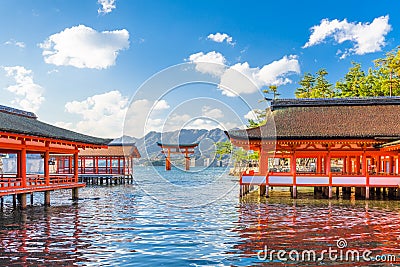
326 144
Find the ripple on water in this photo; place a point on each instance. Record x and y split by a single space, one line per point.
122 226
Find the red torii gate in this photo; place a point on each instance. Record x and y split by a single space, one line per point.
169 149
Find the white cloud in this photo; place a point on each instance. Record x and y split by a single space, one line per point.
202 124
214 113
221 37
161 105
15 43
211 63
106 6
366 37
252 114
186 121
242 79
143 116
28 94
101 115
83 47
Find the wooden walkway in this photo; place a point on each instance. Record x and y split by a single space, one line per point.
364 185
105 179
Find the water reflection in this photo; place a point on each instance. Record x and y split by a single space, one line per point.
30 237
121 226
306 224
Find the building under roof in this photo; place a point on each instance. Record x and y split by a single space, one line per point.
347 142
116 158
21 133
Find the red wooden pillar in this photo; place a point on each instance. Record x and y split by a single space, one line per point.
398 164
111 164
84 164
365 170
119 165
364 164
46 165
293 170
378 164
168 161
329 173
263 161
319 164
123 164
97 165
349 167
328 163
76 166
390 170
23 166
187 160
187 163
69 164
358 165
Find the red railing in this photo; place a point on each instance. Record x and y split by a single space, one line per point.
35 180
62 179
92 170
10 181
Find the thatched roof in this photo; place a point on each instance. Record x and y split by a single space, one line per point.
26 123
349 118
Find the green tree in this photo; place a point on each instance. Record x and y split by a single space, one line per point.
354 82
239 155
261 118
272 89
389 70
315 86
307 86
223 148
322 88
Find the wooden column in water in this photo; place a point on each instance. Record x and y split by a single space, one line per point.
47 198
366 173
46 165
329 172
263 169
168 160
22 167
293 169
75 191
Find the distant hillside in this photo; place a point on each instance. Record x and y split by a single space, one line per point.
205 138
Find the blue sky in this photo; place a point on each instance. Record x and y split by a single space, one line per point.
80 64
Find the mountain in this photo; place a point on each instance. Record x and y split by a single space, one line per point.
147 145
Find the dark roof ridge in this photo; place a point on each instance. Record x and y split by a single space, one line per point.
18 112
122 144
318 102
19 124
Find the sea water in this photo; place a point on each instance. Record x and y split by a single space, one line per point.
150 224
